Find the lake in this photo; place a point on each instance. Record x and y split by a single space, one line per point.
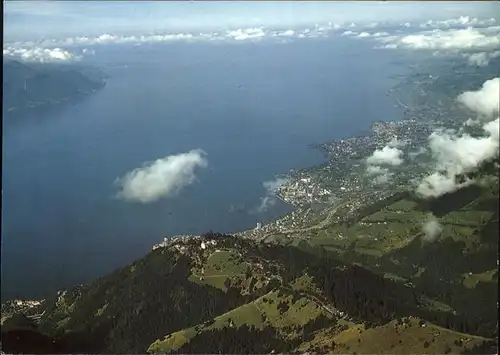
253 107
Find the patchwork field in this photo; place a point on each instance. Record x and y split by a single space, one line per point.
218 267
282 309
409 338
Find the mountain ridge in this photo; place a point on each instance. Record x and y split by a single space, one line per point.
27 87
333 289
186 297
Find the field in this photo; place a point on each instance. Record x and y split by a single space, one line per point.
403 206
219 266
278 309
410 338
471 280
376 235
472 218
298 313
387 241
397 224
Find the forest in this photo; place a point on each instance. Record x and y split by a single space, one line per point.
155 296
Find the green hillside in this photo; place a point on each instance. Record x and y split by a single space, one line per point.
335 290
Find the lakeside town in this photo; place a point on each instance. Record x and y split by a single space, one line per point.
342 179
347 181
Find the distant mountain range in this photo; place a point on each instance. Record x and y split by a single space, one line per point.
33 86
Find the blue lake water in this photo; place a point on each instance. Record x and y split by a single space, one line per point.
253 107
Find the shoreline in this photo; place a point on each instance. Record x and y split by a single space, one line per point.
283 221
302 189
291 178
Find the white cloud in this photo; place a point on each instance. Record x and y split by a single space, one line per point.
492 128
382 179
266 203
349 33
461 153
484 101
367 34
471 123
380 34
386 156
269 200
389 155
88 51
107 38
162 178
451 40
483 39
396 143
249 33
416 153
455 155
44 48
380 175
273 185
481 59
376 170
459 21
438 184
287 33
29 19
40 54
431 228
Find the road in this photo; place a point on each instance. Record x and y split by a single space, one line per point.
320 225
316 300
214 276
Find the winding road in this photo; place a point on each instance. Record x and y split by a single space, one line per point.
320 225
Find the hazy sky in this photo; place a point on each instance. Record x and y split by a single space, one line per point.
35 19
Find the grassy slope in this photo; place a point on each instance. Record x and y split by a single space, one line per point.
464 254
218 267
397 225
461 255
391 338
156 291
260 313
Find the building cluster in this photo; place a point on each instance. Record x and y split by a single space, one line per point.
303 191
27 307
344 176
27 303
175 240
184 243
205 244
